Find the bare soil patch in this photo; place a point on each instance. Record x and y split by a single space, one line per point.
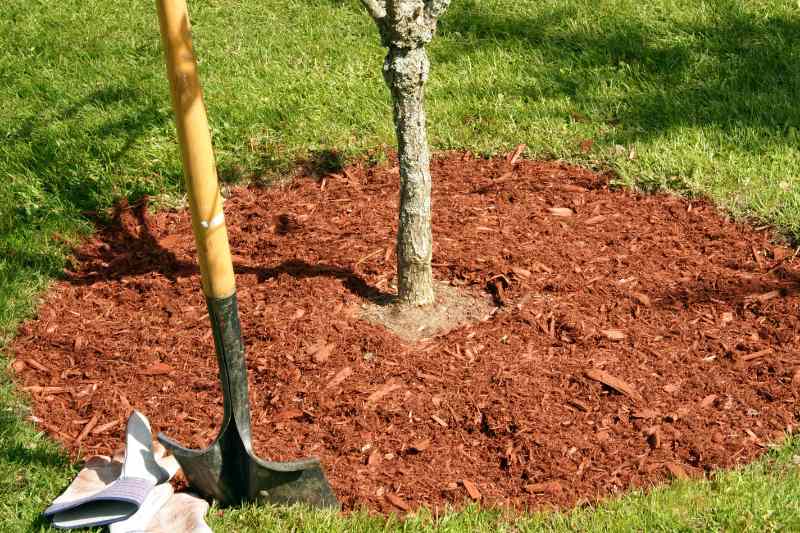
637 338
453 308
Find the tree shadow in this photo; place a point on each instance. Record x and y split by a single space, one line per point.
18 452
127 248
734 71
757 290
69 173
299 269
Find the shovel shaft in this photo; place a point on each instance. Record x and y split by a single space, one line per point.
205 201
200 173
227 470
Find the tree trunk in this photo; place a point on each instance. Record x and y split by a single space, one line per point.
405 72
406 26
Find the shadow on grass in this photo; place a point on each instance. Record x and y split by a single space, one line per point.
734 71
22 453
72 175
65 156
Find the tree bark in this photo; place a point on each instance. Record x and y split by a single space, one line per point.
405 72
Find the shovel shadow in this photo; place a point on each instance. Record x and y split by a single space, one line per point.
128 248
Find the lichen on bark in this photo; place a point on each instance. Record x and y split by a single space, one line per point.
406 26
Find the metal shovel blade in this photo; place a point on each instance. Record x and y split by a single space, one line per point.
228 471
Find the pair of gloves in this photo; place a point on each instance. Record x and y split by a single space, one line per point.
132 494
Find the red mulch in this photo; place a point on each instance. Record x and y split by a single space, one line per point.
691 320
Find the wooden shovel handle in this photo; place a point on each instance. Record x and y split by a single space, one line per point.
200 171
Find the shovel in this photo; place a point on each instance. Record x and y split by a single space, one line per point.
227 471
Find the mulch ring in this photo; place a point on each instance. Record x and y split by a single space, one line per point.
632 338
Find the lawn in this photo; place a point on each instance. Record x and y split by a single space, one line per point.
692 96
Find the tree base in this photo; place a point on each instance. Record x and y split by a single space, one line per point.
452 308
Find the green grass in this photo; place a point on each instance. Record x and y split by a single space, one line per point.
696 96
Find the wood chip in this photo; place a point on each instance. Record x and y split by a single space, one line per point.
37 365
99 430
397 501
670 388
708 401
36 389
796 378
641 298
472 489
541 267
676 470
779 253
758 257
754 437
569 187
594 220
126 405
322 352
754 355
503 178
561 211
340 376
18 365
580 406
521 272
382 391
54 430
513 157
421 446
158 369
368 256
300 313
86 391
644 414
429 377
765 297
375 458
613 334
546 487
170 241
288 414
439 421
70 373
87 428
614 382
